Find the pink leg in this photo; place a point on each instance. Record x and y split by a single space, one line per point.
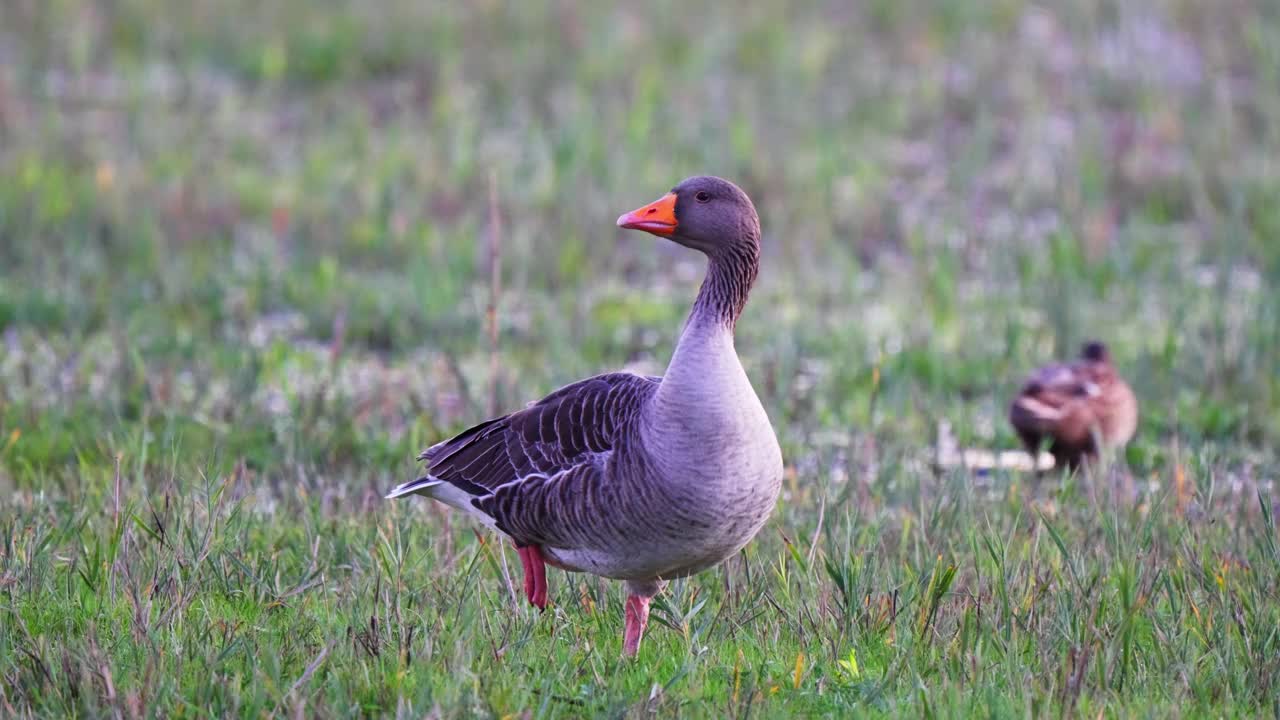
523 552
535 575
539 597
637 613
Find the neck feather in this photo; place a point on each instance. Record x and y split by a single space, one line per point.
731 271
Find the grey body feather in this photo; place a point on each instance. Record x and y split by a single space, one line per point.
631 477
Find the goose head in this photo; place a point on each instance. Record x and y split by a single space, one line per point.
706 213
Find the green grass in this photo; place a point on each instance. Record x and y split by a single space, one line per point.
243 281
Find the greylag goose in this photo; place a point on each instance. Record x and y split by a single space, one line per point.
1080 407
641 479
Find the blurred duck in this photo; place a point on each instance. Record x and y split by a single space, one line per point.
1080 407
642 479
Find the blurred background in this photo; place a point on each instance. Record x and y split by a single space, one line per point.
261 238
267 226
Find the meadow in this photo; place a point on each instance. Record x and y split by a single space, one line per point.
255 256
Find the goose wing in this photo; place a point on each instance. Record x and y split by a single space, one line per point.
563 439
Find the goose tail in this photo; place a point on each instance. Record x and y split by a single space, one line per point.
447 493
422 486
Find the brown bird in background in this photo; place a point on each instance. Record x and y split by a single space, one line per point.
1079 407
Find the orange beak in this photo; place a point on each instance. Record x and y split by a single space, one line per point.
658 217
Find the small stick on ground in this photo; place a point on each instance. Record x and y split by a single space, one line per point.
495 293
306 675
116 515
495 290
817 531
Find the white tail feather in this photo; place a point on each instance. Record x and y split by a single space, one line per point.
421 486
446 493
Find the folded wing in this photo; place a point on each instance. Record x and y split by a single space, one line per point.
565 440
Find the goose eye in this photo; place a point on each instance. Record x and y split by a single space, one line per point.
702 196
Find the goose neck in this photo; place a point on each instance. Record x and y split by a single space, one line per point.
731 271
